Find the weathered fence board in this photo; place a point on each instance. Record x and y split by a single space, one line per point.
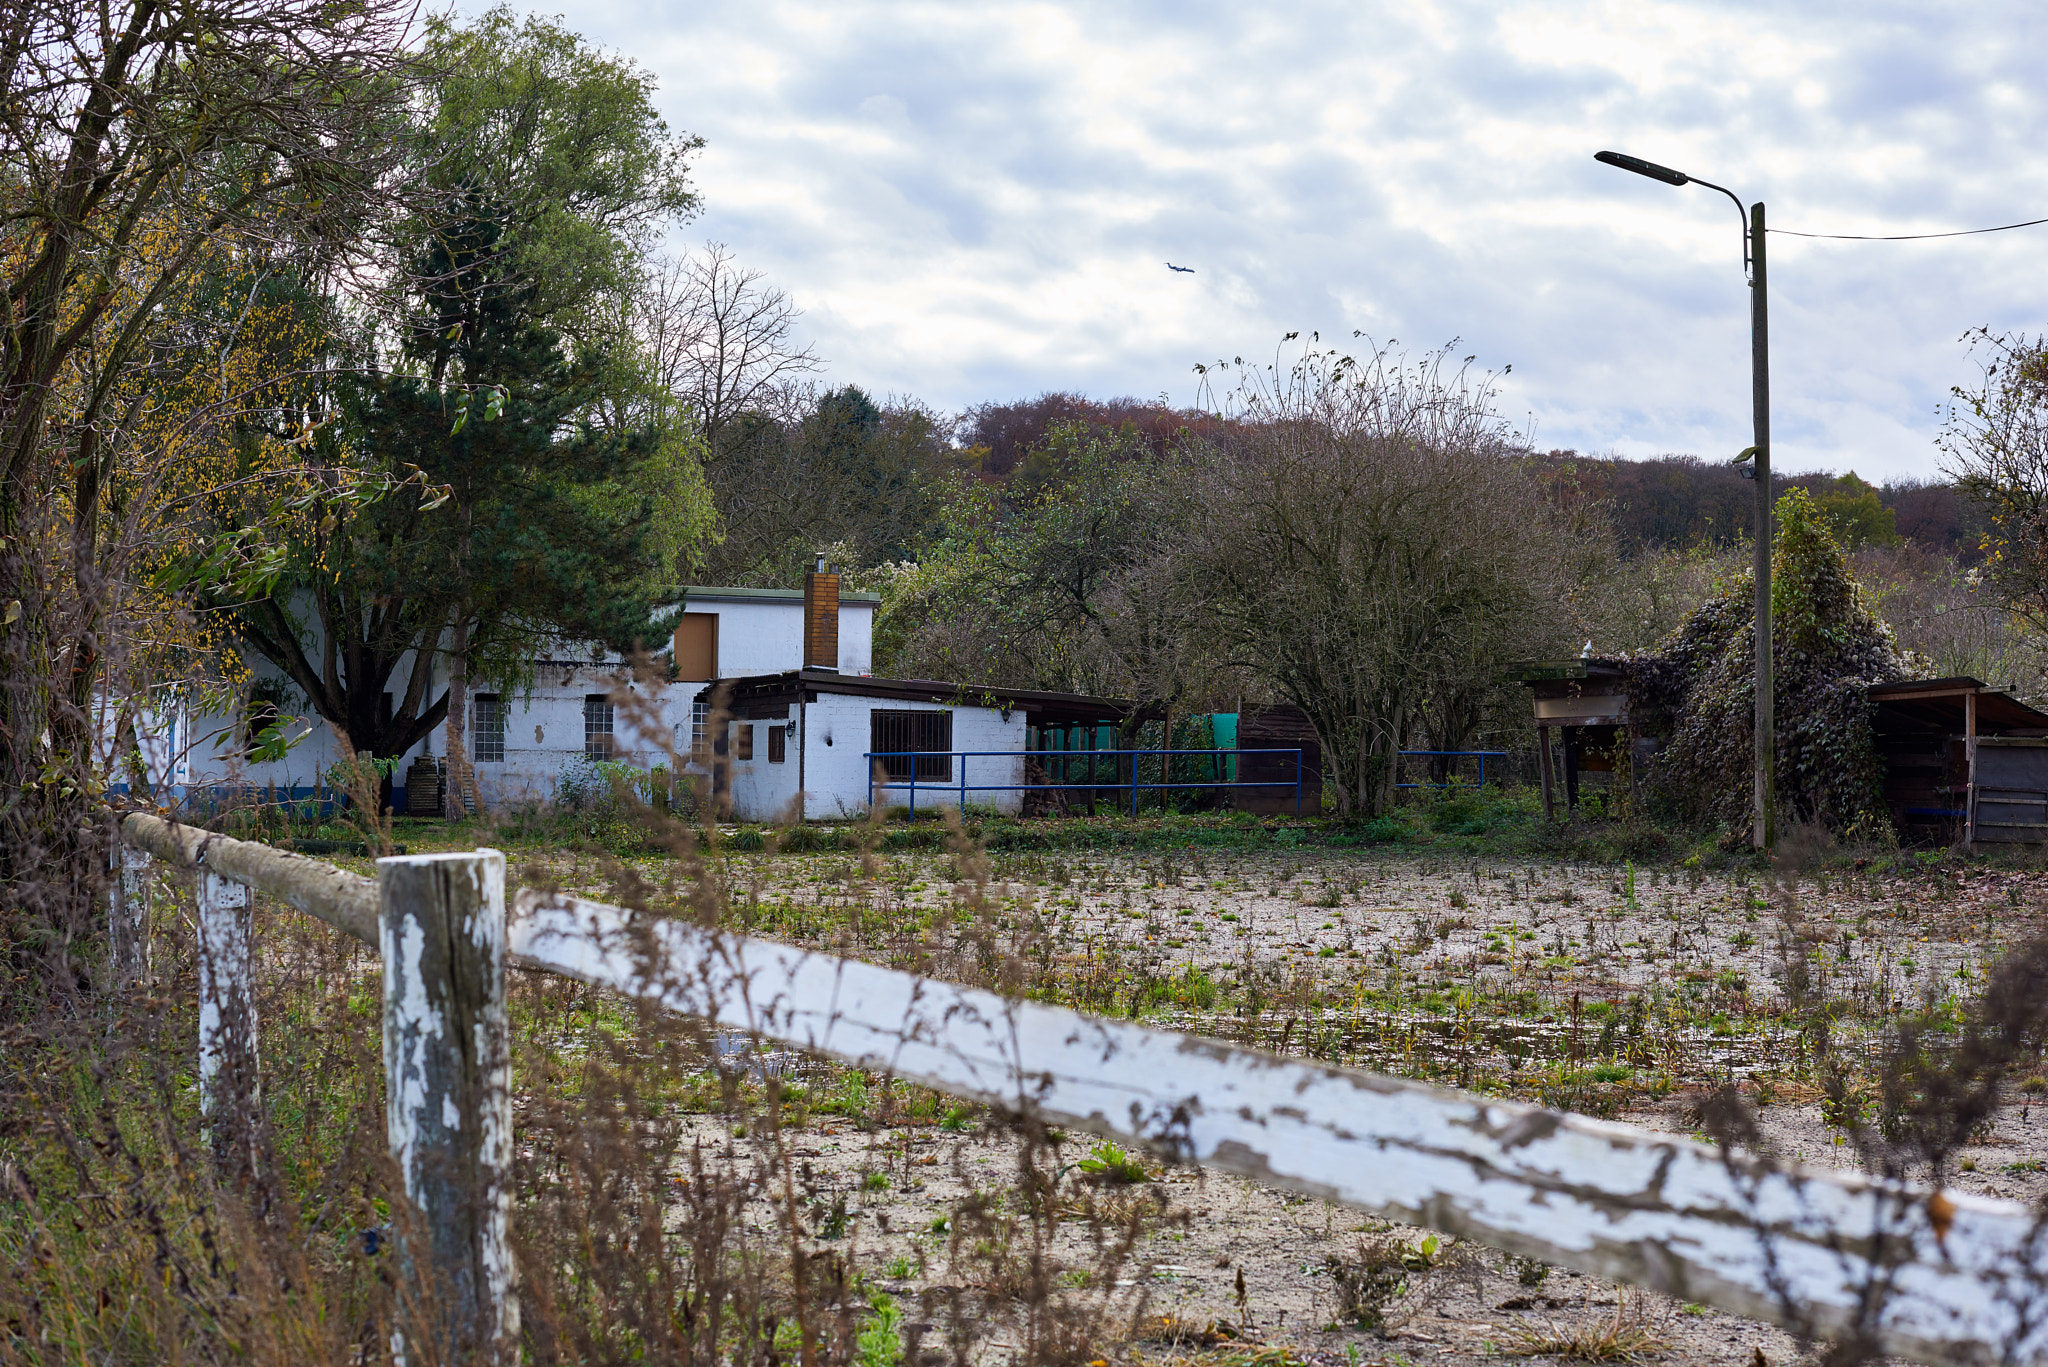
128 907
1958 1278
1942 1277
344 900
229 1092
448 1097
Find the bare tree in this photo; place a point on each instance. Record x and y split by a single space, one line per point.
141 147
721 338
1996 444
1371 545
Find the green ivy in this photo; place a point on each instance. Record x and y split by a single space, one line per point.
1829 647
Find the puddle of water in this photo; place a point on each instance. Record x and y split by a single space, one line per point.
736 1050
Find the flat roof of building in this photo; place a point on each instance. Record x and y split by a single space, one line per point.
1583 667
706 593
1938 703
1042 707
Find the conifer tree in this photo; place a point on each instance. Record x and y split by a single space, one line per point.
530 501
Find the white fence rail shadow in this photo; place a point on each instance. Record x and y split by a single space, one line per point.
1939 1277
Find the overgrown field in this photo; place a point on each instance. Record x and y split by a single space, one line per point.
687 1196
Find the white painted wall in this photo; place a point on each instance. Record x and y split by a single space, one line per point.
760 635
544 726
163 730
544 733
203 752
836 771
543 737
762 791
857 638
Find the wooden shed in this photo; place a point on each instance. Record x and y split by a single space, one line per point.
1585 703
1962 761
1278 727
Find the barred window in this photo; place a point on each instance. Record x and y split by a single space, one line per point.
700 719
487 729
894 731
597 726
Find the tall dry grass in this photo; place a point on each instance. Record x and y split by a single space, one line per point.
667 1205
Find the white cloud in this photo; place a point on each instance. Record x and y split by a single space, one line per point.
976 202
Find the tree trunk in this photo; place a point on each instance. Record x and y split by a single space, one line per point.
463 790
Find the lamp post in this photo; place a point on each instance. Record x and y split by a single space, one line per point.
1763 832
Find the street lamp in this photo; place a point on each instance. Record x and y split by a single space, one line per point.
1764 832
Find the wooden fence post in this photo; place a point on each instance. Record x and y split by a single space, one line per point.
229 1090
448 1100
128 915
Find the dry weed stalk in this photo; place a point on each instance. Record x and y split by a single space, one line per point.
1624 1336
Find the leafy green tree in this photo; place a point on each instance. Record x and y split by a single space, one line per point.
1857 514
1055 585
1370 546
848 477
561 146
142 146
555 498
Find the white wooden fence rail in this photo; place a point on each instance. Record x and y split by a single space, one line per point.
1954 1278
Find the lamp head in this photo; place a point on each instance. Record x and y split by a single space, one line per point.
1643 168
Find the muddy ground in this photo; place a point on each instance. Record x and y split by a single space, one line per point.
1623 992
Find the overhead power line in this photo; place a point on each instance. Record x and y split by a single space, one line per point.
1907 237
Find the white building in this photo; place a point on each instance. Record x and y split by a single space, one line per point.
843 742
521 742
770 697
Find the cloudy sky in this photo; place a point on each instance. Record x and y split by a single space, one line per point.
976 202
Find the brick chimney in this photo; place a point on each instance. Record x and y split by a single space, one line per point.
821 619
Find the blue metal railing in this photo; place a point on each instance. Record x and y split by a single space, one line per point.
884 783
1481 755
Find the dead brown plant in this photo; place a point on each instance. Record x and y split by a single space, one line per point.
1624 1336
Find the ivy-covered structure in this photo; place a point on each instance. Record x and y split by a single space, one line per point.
1698 690
1867 744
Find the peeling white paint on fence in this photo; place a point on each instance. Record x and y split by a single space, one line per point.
128 911
448 1092
1958 1278
229 1095
1942 1277
344 900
